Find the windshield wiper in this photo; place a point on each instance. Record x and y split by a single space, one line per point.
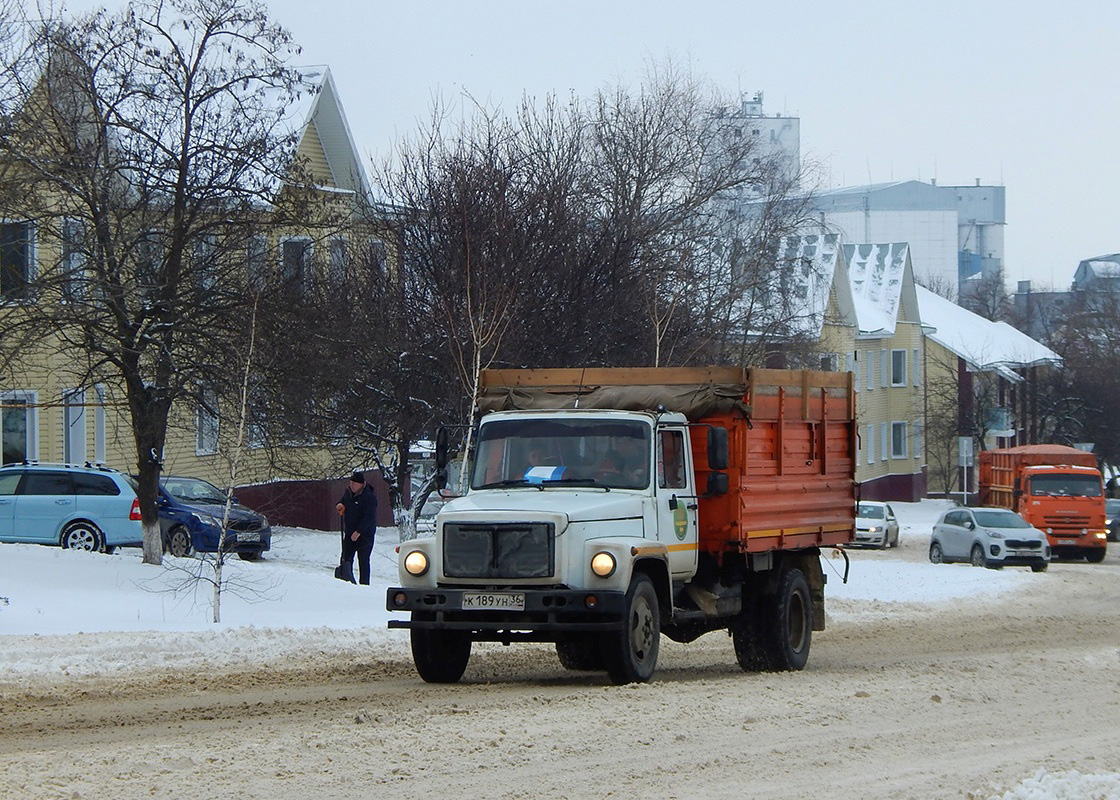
511 482
578 482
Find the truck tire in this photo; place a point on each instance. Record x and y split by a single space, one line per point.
439 656
583 653
1095 555
750 649
787 626
630 653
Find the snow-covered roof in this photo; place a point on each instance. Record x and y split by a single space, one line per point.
877 274
983 344
316 105
1098 268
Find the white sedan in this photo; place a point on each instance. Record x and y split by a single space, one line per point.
876 525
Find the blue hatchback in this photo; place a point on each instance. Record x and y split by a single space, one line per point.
190 517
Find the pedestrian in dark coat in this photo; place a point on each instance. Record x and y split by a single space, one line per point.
358 511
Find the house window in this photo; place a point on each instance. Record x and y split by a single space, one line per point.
17 257
295 262
337 266
149 260
829 362
883 367
74 426
884 441
99 425
917 440
204 260
206 423
898 439
256 262
898 367
73 261
377 256
19 422
870 444
917 368
869 364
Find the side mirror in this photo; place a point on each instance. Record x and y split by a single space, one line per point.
440 479
717 483
441 452
718 449
970 525
234 501
673 503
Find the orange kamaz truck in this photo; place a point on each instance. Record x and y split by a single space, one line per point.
607 507
1056 489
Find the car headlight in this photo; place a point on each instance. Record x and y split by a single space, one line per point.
603 564
995 534
874 529
206 519
416 563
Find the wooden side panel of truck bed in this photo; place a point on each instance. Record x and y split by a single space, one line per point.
791 469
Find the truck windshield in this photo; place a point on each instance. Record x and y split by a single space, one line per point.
609 453
1066 485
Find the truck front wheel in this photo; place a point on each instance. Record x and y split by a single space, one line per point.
788 627
1094 555
631 653
440 656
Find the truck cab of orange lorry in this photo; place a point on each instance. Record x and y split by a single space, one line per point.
1057 489
599 523
1067 502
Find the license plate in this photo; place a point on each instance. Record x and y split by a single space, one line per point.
248 537
494 601
1067 541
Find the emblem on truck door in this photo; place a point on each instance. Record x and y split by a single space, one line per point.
680 522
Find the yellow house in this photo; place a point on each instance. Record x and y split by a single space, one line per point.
49 415
867 323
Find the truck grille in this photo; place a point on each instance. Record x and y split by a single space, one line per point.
511 550
1024 544
1065 521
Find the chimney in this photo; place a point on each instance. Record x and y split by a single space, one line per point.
1024 287
933 181
977 181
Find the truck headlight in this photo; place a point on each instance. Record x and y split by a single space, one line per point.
416 563
603 564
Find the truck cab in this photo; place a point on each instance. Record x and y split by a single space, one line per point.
1067 502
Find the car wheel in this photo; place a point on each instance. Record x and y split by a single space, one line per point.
83 535
1039 567
935 554
249 555
179 542
976 558
886 541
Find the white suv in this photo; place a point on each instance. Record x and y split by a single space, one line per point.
988 537
80 507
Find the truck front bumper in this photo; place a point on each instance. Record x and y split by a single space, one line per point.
549 614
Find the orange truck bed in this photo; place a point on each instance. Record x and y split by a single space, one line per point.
1000 468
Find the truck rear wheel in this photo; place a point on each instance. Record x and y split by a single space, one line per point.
439 656
583 653
787 626
631 653
750 649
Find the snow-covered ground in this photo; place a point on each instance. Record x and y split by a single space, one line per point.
91 615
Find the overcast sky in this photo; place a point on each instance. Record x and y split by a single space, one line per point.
1021 94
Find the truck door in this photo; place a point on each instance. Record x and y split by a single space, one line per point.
675 495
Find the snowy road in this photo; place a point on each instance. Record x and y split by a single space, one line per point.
961 698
